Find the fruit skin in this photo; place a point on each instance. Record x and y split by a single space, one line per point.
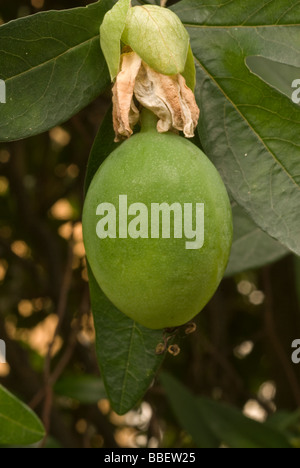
158 282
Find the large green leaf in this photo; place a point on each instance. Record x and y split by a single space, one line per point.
53 66
284 420
125 349
184 407
238 431
18 424
227 424
251 247
281 76
103 145
249 130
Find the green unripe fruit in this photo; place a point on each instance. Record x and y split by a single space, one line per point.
165 277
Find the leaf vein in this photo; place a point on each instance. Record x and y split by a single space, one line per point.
248 123
89 41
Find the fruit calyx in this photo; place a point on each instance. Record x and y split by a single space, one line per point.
168 97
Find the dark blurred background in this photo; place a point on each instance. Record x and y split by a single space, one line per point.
241 352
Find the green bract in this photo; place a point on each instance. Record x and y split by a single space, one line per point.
157 281
158 36
189 72
111 31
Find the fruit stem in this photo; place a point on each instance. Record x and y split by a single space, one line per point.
148 120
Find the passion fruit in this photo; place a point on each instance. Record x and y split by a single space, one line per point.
157 228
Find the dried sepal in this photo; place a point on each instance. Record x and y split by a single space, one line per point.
125 113
192 111
166 96
160 349
169 98
174 350
190 328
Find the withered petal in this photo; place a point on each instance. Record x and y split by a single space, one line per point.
168 97
125 112
147 93
189 100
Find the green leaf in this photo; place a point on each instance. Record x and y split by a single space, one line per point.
251 247
111 31
18 424
53 66
87 389
280 76
125 349
284 420
103 145
189 72
157 35
225 423
238 431
186 411
249 130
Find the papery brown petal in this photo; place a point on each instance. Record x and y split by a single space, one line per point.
134 114
147 93
188 98
166 96
125 112
169 88
169 98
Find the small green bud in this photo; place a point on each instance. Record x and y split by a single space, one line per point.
158 36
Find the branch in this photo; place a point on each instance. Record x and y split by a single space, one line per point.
61 311
67 355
